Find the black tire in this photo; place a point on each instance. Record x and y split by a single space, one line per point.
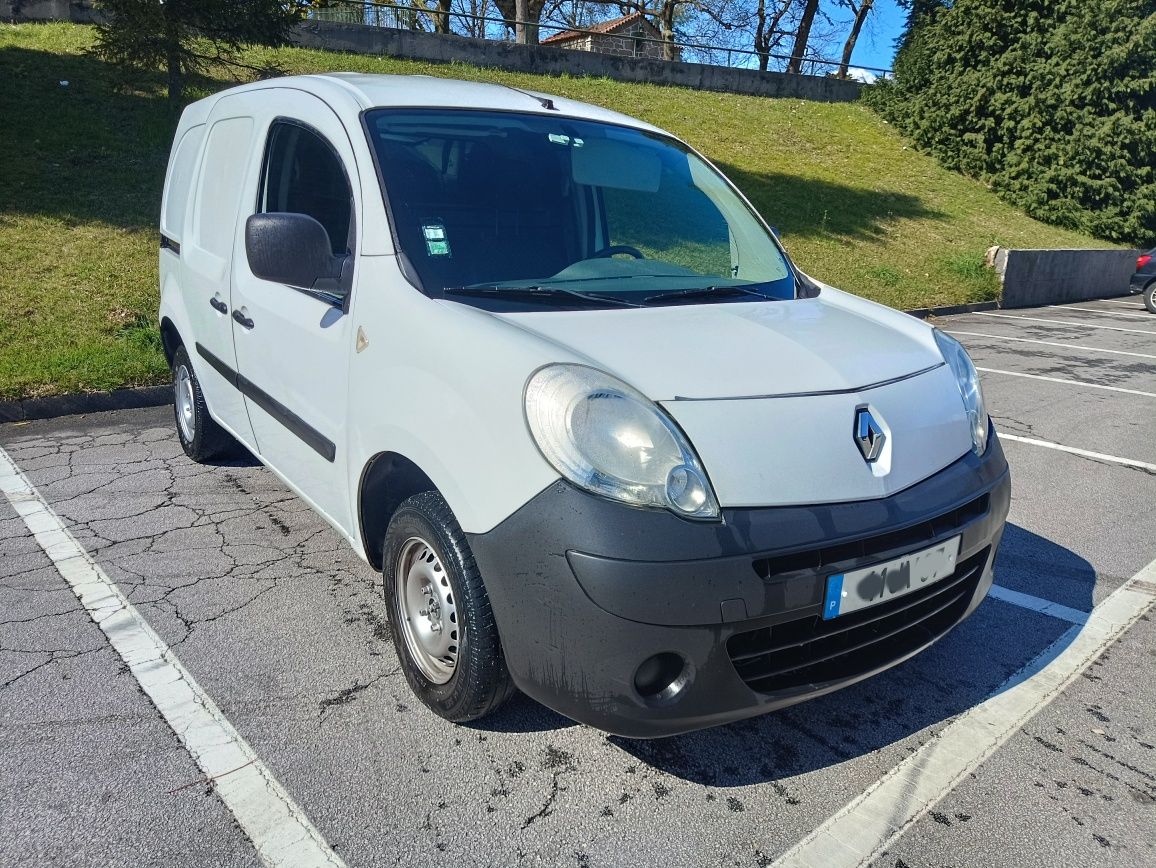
1150 297
479 681
201 437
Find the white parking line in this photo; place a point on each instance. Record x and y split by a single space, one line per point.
1083 383
1146 316
1038 604
871 823
281 833
1135 303
1083 325
1052 344
1083 453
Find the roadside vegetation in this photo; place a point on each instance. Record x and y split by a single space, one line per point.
1051 102
85 151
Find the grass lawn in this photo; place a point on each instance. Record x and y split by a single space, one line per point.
84 162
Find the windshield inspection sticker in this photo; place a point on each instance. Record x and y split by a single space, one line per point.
436 243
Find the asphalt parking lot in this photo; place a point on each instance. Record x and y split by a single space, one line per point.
283 627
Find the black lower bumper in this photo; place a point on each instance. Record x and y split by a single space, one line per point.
585 591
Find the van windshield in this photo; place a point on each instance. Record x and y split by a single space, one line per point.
515 211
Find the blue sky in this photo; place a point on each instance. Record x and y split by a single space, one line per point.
876 45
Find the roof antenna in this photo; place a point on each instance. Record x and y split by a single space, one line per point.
543 101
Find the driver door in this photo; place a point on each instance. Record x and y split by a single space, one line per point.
293 345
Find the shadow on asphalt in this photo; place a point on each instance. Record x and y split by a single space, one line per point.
239 457
522 714
962 669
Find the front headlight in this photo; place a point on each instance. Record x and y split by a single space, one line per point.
968 381
612 440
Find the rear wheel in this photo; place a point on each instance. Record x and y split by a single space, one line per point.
439 613
1150 297
200 435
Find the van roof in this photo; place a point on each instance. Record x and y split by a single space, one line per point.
358 91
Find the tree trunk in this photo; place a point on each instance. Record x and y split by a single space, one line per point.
527 11
441 18
767 30
526 22
176 77
761 35
849 46
521 14
803 36
666 26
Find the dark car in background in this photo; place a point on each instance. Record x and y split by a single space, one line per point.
1144 280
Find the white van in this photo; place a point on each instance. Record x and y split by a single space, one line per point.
546 368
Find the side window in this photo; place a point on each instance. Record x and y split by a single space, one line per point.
182 166
222 173
304 175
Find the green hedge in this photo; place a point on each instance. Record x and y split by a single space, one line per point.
1050 102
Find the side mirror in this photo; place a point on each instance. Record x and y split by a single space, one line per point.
290 248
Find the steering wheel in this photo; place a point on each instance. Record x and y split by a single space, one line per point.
613 249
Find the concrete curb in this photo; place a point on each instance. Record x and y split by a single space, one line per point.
925 312
85 402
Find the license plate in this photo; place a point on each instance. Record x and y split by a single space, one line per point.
869 586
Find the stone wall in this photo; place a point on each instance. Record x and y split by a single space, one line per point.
1036 277
617 44
80 11
551 60
620 44
541 59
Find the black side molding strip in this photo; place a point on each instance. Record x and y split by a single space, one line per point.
170 244
312 438
218 366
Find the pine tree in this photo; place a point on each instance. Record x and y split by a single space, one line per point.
187 36
919 12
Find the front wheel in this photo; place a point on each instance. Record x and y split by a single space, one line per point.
200 435
1150 297
439 613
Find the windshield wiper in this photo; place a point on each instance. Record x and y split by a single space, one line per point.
539 293
705 292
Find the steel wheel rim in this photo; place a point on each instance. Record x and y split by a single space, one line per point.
427 609
186 412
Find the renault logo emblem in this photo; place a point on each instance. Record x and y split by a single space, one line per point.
869 437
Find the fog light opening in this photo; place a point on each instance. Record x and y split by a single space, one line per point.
661 678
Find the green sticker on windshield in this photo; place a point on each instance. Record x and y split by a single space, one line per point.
436 243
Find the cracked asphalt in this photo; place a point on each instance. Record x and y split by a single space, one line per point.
284 627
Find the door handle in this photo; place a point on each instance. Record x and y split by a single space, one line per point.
245 321
218 305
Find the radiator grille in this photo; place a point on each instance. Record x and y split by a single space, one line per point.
813 651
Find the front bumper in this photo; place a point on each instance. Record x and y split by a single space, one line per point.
585 590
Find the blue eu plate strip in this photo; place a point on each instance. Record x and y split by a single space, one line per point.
834 597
